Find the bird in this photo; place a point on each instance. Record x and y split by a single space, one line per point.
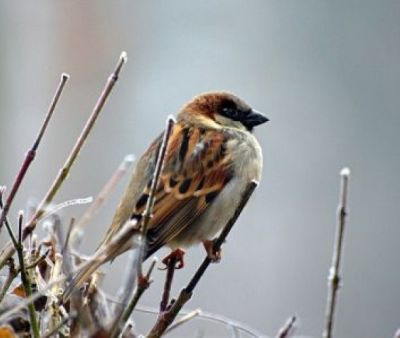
211 157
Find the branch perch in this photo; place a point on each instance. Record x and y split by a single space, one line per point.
334 274
144 280
166 319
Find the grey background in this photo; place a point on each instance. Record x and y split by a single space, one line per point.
325 72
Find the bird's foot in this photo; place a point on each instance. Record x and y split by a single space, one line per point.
175 258
212 254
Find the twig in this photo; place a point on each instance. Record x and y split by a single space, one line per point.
286 329
101 197
168 317
213 317
144 280
184 319
126 289
12 273
142 285
6 222
148 211
334 274
171 263
30 155
63 173
57 328
25 280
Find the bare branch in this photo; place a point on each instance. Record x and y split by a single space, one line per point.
286 330
184 319
142 285
25 280
101 197
334 274
30 155
63 173
168 317
148 211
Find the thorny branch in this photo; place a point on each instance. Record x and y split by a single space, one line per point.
334 274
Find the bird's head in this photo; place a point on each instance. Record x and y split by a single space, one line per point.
224 109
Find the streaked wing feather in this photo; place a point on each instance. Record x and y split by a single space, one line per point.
196 169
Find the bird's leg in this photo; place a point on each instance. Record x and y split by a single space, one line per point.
212 254
175 257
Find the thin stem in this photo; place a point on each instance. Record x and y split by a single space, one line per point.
168 317
12 273
26 281
30 155
334 274
184 319
286 329
63 173
148 211
143 284
101 197
6 222
171 263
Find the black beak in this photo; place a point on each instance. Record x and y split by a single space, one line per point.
254 118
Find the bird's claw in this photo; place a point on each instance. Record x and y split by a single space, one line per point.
175 258
214 255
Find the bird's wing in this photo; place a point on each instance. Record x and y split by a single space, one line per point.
197 167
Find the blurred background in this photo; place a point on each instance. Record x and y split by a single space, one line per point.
327 74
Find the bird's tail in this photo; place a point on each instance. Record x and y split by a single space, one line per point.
127 238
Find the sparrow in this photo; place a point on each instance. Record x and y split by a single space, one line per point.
211 157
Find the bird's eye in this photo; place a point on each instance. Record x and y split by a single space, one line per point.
230 112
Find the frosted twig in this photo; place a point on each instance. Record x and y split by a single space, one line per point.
213 317
334 273
184 319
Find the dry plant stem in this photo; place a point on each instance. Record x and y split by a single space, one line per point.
168 317
26 282
12 273
148 212
30 155
142 286
213 317
144 281
55 330
63 173
6 222
168 283
103 194
334 274
184 319
126 290
286 330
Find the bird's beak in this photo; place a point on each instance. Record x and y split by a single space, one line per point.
254 118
